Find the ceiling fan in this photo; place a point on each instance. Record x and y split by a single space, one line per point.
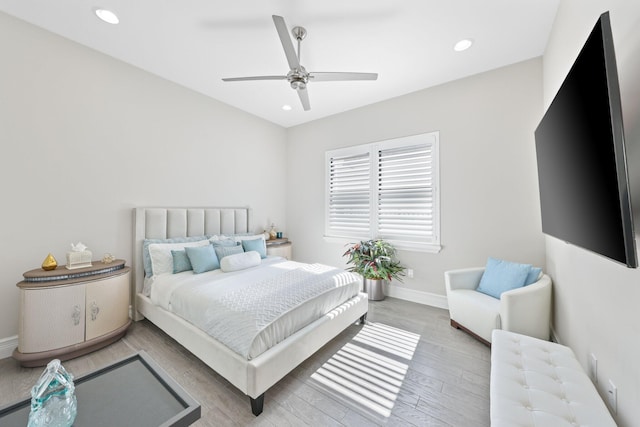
298 76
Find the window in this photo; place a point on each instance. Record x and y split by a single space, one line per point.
385 190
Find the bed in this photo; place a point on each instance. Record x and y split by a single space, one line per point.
255 373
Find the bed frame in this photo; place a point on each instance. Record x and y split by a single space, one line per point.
252 377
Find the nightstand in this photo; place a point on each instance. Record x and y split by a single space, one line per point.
67 313
279 247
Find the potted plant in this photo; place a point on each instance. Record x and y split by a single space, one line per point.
376 262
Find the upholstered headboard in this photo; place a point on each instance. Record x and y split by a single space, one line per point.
166 223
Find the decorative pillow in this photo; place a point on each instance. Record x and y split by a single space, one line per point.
180 261
146 259
240 261
534 275
500 276
257 245
160 254
223 251
225 242
241 237
203 258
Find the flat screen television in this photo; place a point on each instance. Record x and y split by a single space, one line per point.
580 149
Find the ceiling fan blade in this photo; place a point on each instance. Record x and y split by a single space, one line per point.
335 77
242 79
304 99
287 44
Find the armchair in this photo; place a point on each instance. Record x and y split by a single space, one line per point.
525 310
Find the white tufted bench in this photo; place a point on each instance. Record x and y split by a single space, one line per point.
541 383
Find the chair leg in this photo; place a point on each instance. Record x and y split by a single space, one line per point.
457 325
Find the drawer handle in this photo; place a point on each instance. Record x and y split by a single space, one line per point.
76 314
94 310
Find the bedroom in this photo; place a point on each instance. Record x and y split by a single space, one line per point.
76 167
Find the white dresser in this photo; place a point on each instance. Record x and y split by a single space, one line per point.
67 313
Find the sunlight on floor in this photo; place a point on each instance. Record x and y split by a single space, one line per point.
367 370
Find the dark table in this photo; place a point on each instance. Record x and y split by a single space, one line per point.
135 391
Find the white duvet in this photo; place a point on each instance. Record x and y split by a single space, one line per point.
252 310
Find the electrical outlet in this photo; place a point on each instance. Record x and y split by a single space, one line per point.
593 368
612 395
410 273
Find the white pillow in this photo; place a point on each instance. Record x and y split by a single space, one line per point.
241 261
160 254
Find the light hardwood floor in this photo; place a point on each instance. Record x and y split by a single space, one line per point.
407 366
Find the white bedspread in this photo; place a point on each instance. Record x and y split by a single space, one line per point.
252 310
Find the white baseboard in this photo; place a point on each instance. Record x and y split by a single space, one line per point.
420 297
7 345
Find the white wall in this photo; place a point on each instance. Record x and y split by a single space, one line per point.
488 175
86 138
596 300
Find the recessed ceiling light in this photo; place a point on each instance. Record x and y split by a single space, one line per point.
286 107
463 44
107 16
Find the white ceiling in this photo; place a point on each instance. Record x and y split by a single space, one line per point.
409 43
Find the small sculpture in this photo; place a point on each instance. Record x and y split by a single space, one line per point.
49 263
108 258
53 402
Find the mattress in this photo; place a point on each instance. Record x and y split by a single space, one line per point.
254 309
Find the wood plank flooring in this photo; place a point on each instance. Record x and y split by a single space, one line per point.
407 366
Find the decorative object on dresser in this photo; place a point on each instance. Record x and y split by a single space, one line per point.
67 313
280 247
49 263
78 257
376 262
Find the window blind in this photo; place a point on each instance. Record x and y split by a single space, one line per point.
350 194
387 190
406 193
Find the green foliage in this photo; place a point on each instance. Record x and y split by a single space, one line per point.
374 259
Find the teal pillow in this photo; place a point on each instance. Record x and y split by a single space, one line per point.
226 242
223 251
533 276
257 245
202 258
500 276
180 261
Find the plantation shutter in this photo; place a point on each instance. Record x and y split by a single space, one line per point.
385 190
405 186
349 194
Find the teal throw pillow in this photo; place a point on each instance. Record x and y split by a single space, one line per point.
180 261
533 276
202 258
500 276
223 251
257 245
225 242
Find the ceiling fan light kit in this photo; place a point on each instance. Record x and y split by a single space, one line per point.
298 76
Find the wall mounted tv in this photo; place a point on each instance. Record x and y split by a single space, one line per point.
580 148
